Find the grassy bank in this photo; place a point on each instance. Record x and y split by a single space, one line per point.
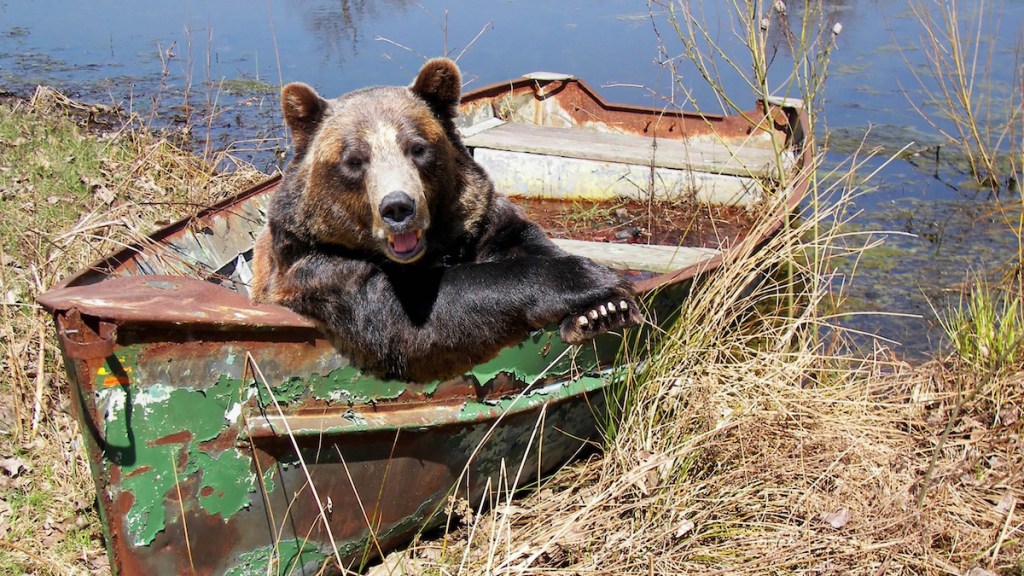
76 182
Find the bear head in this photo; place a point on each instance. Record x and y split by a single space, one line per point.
382 170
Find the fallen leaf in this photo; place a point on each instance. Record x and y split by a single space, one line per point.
1006 503
14 467
837 519
12 297
5 513
684 527
104 194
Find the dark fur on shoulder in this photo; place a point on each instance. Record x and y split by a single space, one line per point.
388 234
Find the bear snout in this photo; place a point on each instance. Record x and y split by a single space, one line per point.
397 210
403 230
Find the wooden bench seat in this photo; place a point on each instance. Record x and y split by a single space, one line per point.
646 257
703 156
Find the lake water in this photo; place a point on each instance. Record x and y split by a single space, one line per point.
183 59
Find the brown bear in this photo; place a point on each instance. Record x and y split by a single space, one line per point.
392 238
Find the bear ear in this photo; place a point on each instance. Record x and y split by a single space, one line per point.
303 109
440 84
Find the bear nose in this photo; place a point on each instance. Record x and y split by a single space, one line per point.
397 208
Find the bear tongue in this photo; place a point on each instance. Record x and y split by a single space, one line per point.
406 242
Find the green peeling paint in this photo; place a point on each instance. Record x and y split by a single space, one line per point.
474 411
231 480
349 385
289 391
287 557
148 431
156 434
544 355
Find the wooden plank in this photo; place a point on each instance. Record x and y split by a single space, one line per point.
647 257
713 157
545 176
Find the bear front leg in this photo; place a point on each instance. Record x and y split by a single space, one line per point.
588 299
607 300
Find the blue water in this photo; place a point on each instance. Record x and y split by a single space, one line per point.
219 65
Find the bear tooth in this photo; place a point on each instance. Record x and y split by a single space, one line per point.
602 310
623 305
593 314
582 321
611 307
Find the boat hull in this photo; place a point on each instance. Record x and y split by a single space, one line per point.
203 445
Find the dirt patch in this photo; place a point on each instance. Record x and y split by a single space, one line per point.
669 223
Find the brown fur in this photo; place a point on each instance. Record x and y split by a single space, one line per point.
386 232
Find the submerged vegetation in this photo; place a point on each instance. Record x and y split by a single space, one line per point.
755 442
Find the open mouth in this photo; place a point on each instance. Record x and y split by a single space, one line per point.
406 246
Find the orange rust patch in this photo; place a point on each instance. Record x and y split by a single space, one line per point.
182 437
111 381
138 471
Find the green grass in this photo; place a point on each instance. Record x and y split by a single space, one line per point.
986 328
49 164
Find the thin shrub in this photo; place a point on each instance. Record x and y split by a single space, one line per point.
978 116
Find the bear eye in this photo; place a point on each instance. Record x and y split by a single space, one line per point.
354 163
418 150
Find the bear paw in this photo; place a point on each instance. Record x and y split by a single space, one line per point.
604 317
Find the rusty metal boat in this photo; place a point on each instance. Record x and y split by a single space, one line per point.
227 438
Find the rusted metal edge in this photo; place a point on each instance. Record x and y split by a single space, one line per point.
167 300
80 341
798 190
125 254
500 88
266 422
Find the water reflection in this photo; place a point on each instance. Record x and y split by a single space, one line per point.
337 24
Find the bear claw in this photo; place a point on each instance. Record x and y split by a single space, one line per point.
605 317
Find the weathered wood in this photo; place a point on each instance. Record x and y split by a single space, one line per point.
700 156
546 176
646 257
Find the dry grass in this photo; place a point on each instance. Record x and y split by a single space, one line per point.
752 445
68 195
